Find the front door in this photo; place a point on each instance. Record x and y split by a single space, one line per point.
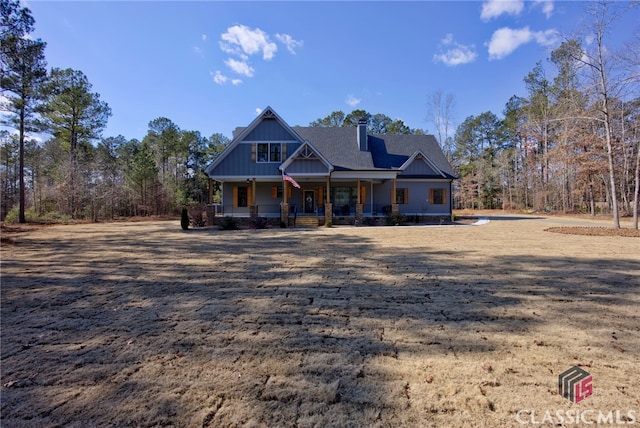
309 201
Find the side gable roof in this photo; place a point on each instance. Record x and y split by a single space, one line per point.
386 152
339 146
393 151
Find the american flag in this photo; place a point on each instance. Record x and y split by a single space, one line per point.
290 180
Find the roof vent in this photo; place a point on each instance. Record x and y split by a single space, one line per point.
362 135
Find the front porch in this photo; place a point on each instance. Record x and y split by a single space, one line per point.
378 215
335 201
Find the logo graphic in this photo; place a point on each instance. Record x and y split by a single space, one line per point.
575 384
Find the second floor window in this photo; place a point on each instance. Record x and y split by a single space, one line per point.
269 152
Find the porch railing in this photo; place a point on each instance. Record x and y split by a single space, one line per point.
273 210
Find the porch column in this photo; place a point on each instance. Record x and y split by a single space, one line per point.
254 196
284 206
359 205
284 192
328 189
395 208
211 210
284 212
328 206
253 208
372 206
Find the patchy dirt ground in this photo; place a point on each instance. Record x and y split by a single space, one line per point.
142 324
596 231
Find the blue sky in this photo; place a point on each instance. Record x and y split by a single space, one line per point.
211 66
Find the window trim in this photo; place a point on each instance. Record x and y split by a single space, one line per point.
236 196
432 196
404 191
276 192
268 152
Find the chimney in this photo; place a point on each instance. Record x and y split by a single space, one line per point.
362 135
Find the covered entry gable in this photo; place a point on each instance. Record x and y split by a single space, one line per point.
308 161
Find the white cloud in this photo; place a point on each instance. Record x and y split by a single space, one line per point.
454 53
221 79
506 40
352 101
241 39
547 7
242 42
240 67
494 8
289 42
546 38
258 111
203 37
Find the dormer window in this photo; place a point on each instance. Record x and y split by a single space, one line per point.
269 152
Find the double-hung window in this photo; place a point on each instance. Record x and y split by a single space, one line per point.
402 195
437 196
269 152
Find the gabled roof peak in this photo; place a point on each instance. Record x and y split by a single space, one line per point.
420 156
306 151
268 113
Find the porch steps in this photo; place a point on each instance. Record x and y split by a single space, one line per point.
307 222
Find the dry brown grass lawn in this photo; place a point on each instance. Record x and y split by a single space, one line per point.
142 324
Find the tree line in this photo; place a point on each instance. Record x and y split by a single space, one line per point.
571 144
77 174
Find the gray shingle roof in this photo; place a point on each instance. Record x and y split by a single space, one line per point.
340 147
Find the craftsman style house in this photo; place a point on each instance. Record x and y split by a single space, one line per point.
271 169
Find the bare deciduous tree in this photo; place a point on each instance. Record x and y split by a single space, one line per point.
629 59
605 83
440 112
